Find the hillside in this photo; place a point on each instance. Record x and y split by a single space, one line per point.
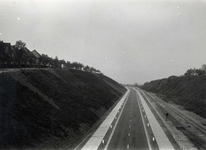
188 91
37 106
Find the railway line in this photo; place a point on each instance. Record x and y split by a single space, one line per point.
194 131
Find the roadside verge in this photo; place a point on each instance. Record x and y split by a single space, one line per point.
96 139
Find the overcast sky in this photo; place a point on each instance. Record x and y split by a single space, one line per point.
128 40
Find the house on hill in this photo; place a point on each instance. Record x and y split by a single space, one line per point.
5 54
37 56
46 61
30 61
7 47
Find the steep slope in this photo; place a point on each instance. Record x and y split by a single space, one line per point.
188 91
39 105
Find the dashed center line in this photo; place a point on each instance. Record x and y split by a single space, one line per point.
128 146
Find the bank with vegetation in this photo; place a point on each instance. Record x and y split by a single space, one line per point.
52 106
188 90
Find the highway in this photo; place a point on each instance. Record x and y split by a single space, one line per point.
134 126
130 131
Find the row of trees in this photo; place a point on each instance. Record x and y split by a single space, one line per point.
196 72
19 55
79 66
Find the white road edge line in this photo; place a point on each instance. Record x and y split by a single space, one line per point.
110 137
128 146
148 142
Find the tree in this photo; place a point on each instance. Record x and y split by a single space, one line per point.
76 65
68 65
45 60
204 67
195 72
86 68
56 62
62 63
80 66
20 44
189 72
98 71
93 70
200 72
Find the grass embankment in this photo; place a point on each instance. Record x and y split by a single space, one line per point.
188 91
39 105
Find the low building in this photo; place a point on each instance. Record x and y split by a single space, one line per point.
36 54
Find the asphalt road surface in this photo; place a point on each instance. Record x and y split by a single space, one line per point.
129 132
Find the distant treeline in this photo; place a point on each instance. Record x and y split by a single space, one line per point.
196 72
19 56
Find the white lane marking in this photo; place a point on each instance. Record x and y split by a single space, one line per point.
110 137
128 134
128 146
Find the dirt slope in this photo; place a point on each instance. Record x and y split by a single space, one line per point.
39 105
188 91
